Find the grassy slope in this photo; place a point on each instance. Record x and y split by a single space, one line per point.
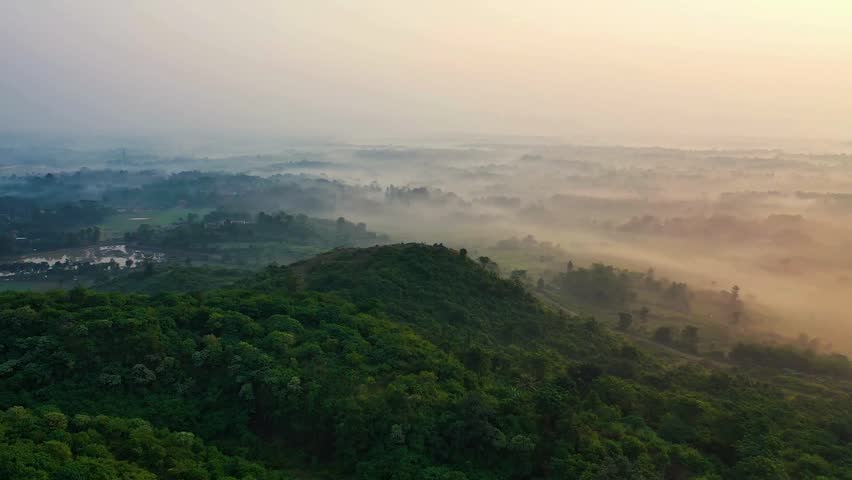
716 332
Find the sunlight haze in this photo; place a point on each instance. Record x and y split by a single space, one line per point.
426 240
614 68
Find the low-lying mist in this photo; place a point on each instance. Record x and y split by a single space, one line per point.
775 223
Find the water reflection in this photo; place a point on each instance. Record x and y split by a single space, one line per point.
101 254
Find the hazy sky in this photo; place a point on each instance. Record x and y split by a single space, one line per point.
552 67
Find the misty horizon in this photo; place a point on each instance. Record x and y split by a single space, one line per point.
610 72
441 240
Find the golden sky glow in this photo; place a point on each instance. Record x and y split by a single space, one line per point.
656 67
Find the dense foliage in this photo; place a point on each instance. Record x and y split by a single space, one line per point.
402 362
26 225
172 278
48 445
218 230
601 284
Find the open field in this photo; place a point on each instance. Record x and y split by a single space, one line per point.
116 225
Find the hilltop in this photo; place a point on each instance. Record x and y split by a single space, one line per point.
399 362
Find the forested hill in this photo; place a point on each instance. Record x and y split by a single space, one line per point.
398 362
444 295
419 282
172 278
